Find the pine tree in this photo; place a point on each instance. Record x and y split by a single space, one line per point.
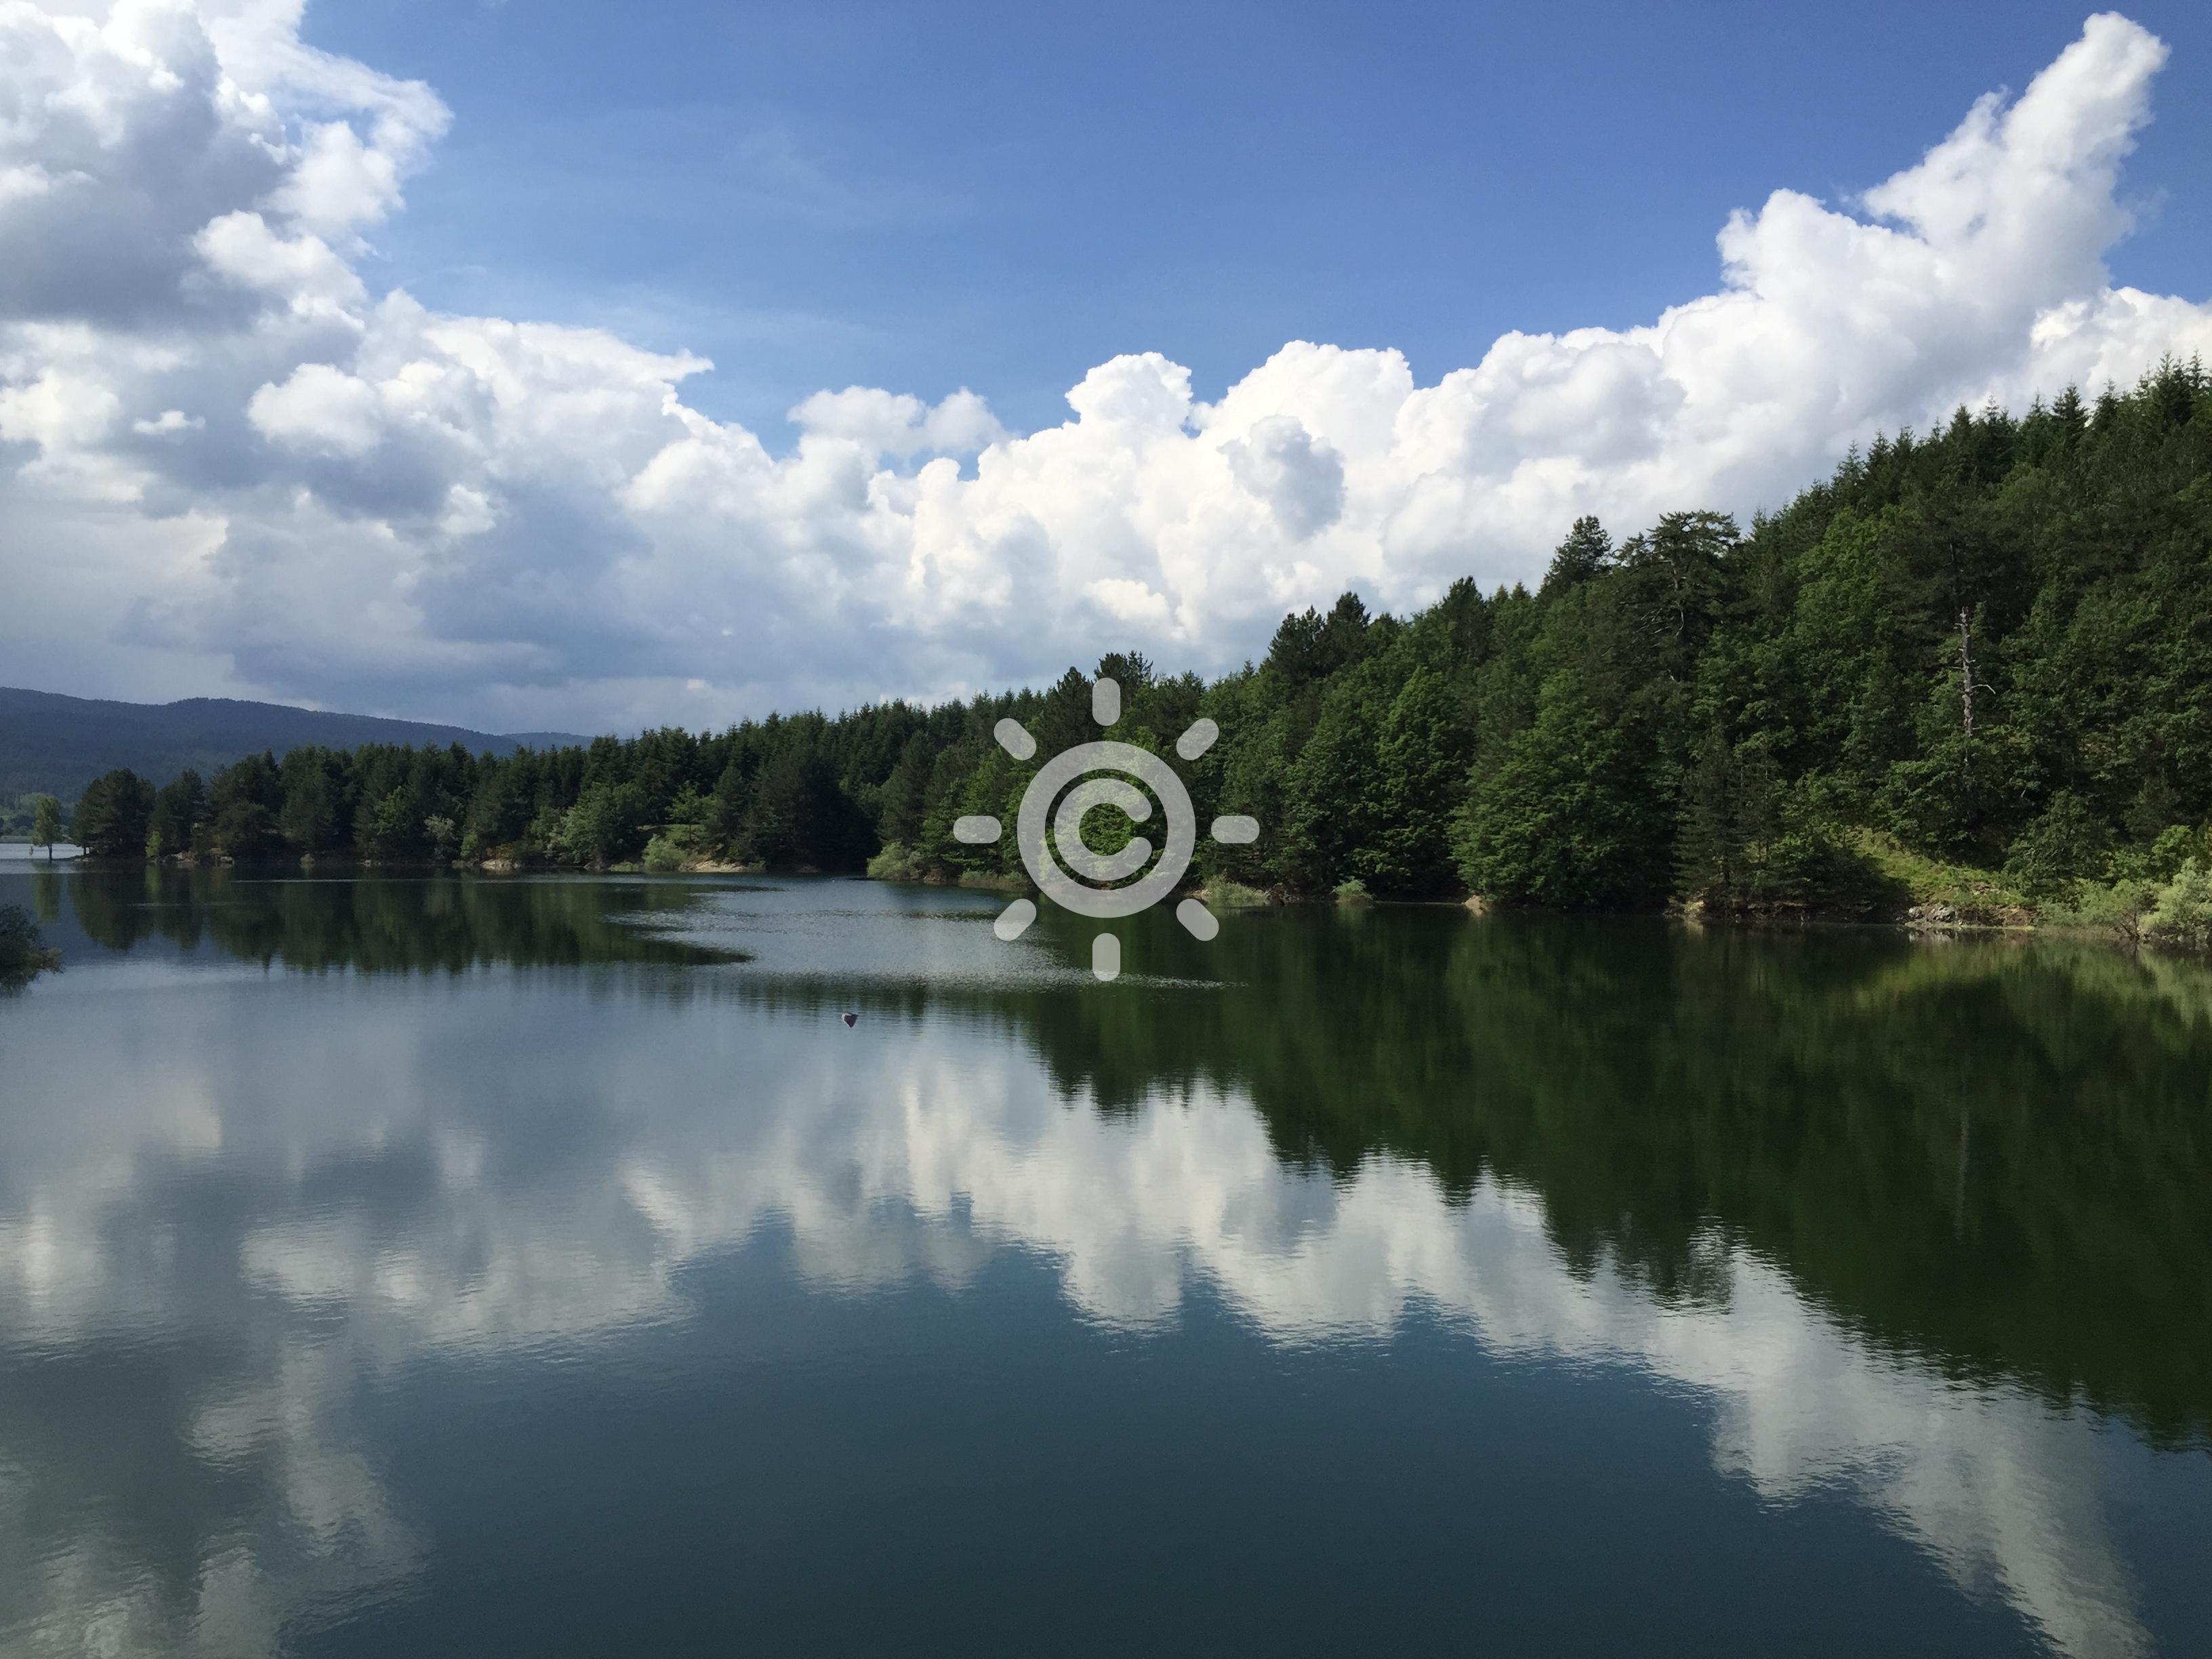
1562 820
1586 554
1419 765
113 813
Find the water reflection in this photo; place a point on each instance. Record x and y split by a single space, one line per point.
1730 1167
374 923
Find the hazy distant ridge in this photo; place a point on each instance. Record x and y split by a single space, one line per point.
55 745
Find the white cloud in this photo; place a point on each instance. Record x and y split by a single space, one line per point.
339 181
186 187
57 411
302 271
168 423
468 512
885 423
319 408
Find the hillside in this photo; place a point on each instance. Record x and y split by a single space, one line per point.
55 745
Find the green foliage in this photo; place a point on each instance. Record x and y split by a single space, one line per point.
1585 554
242 807
1561 821
1746 841
2064 844
1987 650
46 823
606 825
679 844
314 795
22 954
896 862
993 881
2182 913
1419 773
1223 893
1933 883
179 807
114 814
2116 909
798 816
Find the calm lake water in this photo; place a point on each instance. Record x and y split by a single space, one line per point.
531 1267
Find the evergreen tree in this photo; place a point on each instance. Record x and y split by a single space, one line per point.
1418 771
178 807
1585 554
309 818
114 814
797 817
1561 821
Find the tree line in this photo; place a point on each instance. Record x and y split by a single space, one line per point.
1987 650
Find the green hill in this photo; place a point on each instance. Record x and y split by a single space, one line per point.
55 745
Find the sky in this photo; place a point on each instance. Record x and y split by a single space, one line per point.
536 366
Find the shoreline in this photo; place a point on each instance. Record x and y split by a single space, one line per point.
1925 921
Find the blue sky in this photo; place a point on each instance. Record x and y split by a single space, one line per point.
1001 197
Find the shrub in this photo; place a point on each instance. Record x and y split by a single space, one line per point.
2183 913
676 846
2065 843
1226 895
2118 908
897 862
21 954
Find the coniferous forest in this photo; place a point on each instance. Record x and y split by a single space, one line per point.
1971 671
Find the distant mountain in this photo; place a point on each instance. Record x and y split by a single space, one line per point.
55 745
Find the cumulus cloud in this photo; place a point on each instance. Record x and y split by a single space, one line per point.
319 408
883 423
168 422
525 523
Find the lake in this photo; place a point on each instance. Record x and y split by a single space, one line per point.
532 1265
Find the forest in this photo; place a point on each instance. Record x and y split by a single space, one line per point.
1970 669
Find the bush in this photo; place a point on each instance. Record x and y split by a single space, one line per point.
21 952
2118 908
2175 914
2183 913
897 862
1353 893
676 846
603 825
1224 893
2064 844
2160 862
